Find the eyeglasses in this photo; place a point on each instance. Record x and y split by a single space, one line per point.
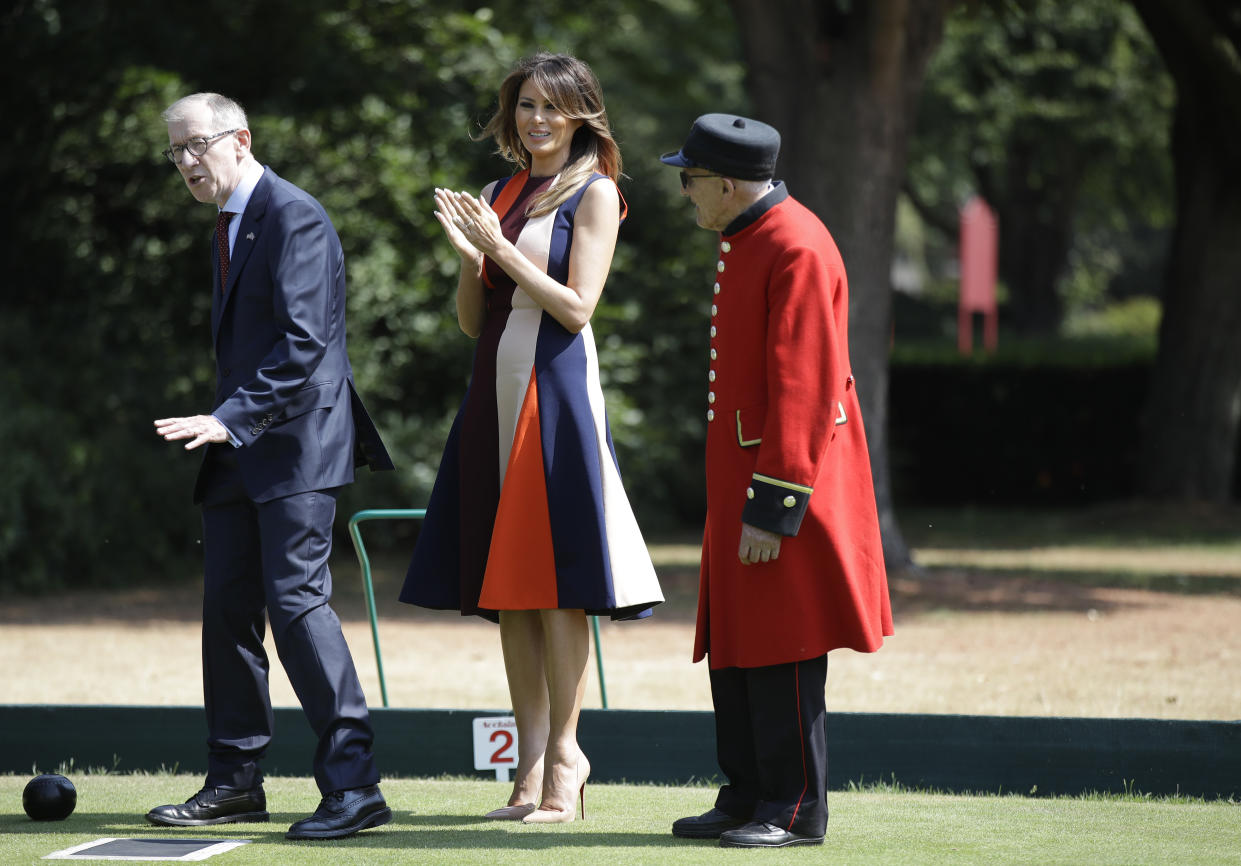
196 146
687 179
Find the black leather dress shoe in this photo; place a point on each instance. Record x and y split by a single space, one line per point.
343 813
761 835
213 806
708 825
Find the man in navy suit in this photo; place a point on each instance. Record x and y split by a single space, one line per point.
286 433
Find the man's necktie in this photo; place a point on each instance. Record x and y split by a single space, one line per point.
221 246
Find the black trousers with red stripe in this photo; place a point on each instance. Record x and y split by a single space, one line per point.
772 744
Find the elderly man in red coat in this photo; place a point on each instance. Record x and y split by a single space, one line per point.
792 562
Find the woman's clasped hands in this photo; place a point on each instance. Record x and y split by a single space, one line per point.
470 223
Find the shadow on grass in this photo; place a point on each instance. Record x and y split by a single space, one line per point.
975 591
1134 524
405 831
562 836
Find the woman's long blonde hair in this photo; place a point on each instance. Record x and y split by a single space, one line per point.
568 84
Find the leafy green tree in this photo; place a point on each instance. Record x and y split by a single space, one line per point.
1055 113
105 323
92 245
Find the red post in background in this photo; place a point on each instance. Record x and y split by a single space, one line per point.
979 246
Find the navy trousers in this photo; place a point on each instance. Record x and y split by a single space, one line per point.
772 744
272 558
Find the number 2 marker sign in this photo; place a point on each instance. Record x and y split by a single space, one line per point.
495 745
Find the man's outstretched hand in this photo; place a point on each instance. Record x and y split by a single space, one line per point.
199 429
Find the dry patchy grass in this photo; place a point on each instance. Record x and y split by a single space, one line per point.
983 631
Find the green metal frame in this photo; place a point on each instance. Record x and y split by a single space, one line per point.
368 588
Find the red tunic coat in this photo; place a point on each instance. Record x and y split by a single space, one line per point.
786 452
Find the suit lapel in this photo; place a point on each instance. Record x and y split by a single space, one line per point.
248 233
249 230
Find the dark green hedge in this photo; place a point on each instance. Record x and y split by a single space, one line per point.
1015 434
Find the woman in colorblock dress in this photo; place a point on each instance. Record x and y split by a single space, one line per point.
528 522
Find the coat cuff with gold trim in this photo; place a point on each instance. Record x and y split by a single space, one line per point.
775 505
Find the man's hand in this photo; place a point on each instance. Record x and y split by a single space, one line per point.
199 429
758 545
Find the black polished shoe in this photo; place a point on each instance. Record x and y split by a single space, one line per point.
343 813
761 835
213 806
708 825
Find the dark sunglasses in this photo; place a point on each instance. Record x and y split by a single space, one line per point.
687 179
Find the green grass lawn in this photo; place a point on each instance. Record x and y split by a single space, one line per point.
436 822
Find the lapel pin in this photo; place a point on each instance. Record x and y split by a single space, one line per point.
250 236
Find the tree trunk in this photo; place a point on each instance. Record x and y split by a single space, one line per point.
840 82
1036 234
1193 410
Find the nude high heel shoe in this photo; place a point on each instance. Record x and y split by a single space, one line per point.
544 815
510 813
517 811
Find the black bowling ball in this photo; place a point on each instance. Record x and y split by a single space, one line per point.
49 797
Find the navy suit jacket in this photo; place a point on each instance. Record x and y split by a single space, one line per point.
284 385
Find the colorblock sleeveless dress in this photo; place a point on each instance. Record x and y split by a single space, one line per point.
528 510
